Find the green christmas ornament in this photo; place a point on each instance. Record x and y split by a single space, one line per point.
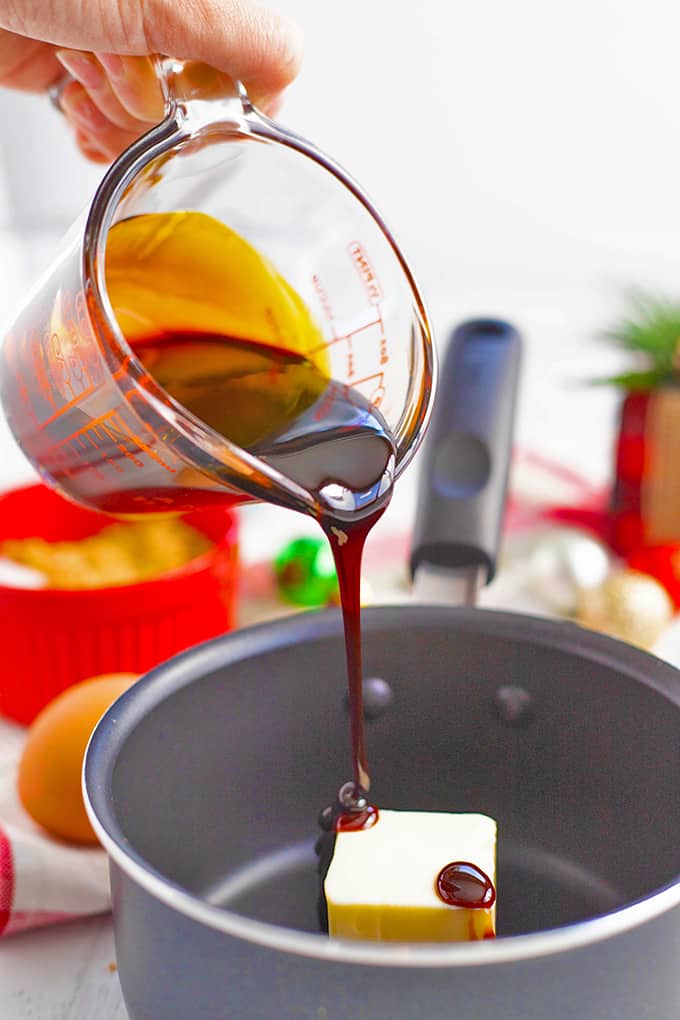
305 573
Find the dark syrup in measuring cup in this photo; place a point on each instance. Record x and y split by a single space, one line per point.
226 336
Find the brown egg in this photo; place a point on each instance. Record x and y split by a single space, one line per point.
51 764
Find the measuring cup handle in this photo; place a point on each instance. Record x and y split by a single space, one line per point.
186 81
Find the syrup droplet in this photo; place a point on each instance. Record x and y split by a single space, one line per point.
353 812
351 797
355 821
461 884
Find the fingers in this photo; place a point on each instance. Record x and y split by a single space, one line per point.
258 46
87 70
134 82
246 41
125 89
95 133
27 64
112 102
88 149
118 98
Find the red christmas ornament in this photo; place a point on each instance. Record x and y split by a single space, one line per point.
627 531
661 562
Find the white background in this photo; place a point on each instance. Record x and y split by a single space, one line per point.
527 155
531 137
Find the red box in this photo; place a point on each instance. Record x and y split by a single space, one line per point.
52 638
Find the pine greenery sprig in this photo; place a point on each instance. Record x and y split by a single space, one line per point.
651 332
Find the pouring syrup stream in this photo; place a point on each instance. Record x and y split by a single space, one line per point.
261 382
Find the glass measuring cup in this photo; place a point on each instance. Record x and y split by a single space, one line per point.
81 404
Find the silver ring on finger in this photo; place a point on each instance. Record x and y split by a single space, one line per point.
55 91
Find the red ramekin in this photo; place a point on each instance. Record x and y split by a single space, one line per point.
53 638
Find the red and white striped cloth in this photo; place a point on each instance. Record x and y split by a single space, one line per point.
43 880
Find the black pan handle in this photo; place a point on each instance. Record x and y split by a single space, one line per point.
466 456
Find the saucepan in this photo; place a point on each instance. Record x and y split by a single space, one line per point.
204 782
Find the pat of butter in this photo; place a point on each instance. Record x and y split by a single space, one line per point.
381 883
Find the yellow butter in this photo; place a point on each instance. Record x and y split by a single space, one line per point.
381 883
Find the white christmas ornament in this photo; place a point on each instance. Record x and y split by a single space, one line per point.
563 565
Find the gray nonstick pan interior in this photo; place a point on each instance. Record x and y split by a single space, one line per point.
212 771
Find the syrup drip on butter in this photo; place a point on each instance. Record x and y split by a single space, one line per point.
462 884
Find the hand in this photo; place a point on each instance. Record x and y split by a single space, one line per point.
105 46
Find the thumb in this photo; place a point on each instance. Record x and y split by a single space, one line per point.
246 41
252 43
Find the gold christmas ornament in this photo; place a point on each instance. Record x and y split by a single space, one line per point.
629 605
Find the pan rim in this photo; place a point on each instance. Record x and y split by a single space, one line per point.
134 705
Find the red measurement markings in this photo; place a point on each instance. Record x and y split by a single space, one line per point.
83 332
22 362
80 342
384 356
92 424
67 406
25 396
82 314
58 364
106 430
78 374
346 338
324 300
38 370
71 339
13 359
377 394
350 352
86 443
367 273
38 355
369 279
360 329
66 457
147 449
72 363
109 430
